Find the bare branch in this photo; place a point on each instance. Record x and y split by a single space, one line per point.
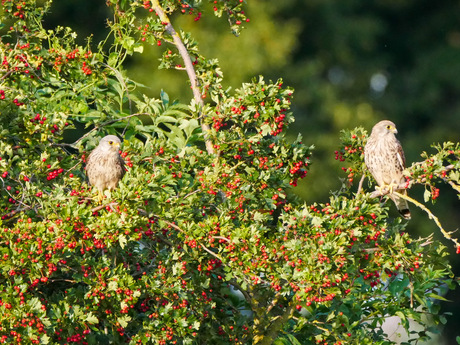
360 185
188 67
446 234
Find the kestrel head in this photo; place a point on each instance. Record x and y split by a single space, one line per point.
383 128
109 143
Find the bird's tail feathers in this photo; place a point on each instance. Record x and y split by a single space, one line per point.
401 204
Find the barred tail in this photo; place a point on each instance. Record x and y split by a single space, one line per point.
401 204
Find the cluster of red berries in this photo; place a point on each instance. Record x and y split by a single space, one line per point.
339 156
37 117
54 174
279 124
298 169
17 102
434 193
86 69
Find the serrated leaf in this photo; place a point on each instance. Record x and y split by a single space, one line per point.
44 339
138 48
426 195
316 221
91 318
112 286
122 240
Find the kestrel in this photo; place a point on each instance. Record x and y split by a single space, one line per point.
384 157
104 166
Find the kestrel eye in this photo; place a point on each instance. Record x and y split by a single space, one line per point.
110 142
388 127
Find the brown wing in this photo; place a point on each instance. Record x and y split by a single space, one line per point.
401 157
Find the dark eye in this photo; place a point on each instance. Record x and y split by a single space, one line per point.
388 127
110 142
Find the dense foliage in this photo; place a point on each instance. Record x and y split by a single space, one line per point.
203 242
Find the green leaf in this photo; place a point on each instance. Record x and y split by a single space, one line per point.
122 240
164 98
44 339
436 296
138 48
426 195
91 318
293 339
165 118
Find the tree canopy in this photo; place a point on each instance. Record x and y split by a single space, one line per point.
203 241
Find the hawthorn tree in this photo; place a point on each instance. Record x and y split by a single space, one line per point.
202 242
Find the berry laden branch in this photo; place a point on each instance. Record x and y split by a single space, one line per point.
392 189
387 190
188 67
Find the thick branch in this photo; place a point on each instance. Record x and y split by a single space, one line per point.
188 67
271 333
246 295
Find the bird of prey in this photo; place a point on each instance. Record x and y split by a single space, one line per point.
105 167
384 157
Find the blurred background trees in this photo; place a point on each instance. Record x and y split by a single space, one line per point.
352 63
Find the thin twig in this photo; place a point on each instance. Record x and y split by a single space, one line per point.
426 240
6 75
221 238
211 252
273 303
454 186
360 185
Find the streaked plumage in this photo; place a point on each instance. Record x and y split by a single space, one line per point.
104 166
384 157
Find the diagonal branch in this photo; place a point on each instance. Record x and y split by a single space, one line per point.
446 234
188 67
